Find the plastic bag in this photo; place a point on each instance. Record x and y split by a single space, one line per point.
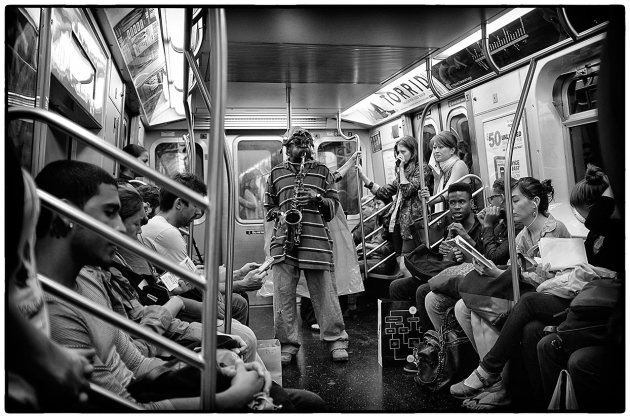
568 402
347 274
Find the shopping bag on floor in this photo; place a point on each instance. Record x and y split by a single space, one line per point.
398 331
563 398
269 352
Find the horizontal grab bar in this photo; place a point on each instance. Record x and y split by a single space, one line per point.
118 238
113 318
113 397
83 135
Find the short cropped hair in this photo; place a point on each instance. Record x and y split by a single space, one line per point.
460 187
167 198
75 181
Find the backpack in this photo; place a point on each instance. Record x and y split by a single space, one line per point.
589 314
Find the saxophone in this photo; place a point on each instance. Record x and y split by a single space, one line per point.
293 217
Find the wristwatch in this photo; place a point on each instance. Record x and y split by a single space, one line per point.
319 198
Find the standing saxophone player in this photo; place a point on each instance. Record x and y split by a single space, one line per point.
306 186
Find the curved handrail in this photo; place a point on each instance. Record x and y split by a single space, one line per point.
507 173
566 25
421 161
485 48
359 189
83 135
433 198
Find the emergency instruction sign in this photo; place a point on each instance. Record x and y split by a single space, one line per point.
496 133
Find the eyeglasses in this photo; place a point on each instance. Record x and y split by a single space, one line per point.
495 196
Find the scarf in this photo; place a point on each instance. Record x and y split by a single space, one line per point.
445 171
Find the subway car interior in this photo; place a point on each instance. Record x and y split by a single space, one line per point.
346 164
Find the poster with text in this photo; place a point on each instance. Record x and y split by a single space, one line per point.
389 164
496 133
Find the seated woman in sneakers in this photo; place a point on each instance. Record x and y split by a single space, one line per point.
484 386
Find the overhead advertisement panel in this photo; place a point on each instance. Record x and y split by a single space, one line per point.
401 95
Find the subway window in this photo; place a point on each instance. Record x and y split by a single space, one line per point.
255 159
334 155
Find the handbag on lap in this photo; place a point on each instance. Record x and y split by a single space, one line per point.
424 263
492 298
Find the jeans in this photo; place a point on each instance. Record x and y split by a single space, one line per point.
405 289
323 291
593 370
531 307
437 305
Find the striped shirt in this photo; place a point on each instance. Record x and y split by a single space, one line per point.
117 362
315 249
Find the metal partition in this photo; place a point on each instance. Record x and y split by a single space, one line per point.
207 362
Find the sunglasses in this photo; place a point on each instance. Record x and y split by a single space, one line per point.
495 196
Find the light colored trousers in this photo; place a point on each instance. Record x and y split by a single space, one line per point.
323 291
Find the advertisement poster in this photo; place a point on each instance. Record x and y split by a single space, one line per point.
138 35
389 164
496 133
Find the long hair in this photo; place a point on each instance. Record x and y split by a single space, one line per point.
411 144
130 200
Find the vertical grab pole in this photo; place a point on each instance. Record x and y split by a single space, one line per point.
218 85
425 209
192 157
359 195
507 173
229 262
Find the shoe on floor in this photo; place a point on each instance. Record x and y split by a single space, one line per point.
339 354
488 401
286 358
463 391
314 327
410 368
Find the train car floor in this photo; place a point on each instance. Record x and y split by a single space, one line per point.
360 384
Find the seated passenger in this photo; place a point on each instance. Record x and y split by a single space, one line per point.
141 154
62 252
162 319
34 363
594 370
432 309
151 197
530 200
162 234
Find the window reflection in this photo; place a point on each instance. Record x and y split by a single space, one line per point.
255 159
334 155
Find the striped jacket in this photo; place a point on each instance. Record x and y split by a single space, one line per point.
315 249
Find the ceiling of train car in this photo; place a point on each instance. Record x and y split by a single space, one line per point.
332 56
